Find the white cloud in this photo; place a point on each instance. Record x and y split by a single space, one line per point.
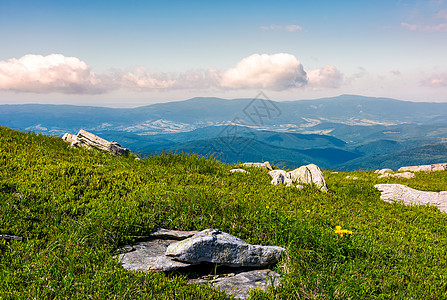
69 75
289 28
51 73
326 77
425 28
262 71
437 81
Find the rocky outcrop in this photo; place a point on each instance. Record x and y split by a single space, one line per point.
87 139
265 165
433 167
164 249
215 246
403 194
305 174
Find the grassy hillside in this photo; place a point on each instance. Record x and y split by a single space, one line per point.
75 207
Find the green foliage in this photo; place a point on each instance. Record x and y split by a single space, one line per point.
75 207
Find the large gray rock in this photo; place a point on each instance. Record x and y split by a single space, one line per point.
240 284
309 174
265 165
433 167
214 246
403 194
87 139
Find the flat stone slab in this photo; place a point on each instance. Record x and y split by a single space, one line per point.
149 256
403 194
215 246
240 284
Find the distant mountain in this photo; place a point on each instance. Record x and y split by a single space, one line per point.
321 116
427 154
347 131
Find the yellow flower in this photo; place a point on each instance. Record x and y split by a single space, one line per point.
308 211
267 207
341 232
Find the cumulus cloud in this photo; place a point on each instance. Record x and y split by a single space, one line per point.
70 75
289 28
51 73
262 71
326 77
437 81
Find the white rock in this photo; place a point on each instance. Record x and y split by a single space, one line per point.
264 165
433 167
238 171
384 171
405 195
309 174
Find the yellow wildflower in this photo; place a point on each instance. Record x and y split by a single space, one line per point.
341 232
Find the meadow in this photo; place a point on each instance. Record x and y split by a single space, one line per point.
75 207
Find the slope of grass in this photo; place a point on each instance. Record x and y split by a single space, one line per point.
75 207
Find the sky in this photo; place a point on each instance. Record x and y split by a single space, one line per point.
133 53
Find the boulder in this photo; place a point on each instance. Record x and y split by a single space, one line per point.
87 139
265 165
433 167
403 194
309 174
214 246
279 177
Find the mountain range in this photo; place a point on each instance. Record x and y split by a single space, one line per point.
345 132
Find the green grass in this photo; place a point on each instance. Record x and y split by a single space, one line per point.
75 207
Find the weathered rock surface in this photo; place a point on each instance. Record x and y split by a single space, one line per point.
433 167
238 171
265 165
150 255
405 195
214 246
309 174
407 175
240 284
87 139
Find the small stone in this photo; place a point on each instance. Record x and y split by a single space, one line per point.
299 186
238 171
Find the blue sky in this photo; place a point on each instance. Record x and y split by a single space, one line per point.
130 53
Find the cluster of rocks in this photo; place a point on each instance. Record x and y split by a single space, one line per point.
433 167
398 193
172 250
87 139
307 174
